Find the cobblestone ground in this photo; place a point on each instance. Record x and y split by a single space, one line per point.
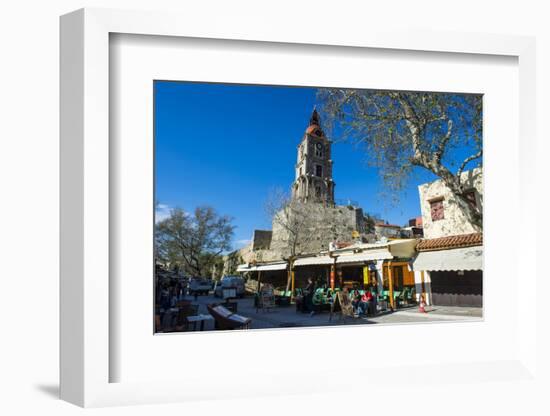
281 317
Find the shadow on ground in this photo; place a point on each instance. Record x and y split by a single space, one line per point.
51 390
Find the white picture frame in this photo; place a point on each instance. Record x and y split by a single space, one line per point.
85 350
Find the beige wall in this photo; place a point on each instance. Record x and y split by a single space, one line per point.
455 221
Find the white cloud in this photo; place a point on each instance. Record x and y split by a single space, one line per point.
162 211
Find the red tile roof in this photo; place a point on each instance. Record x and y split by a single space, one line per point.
315 130
453 241
343 244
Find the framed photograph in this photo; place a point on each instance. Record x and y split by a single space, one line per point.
285 243
271 208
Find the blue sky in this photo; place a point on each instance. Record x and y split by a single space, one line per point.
228 145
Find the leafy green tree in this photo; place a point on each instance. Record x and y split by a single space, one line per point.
401 131
194 241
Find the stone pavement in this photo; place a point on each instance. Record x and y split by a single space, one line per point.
287 317
452 313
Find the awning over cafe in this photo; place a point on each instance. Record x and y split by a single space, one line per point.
311 261
267 267
261 267
466 258
244 268
367 255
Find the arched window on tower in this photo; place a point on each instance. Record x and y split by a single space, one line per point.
319 150
318 171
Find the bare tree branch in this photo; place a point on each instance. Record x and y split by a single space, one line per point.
404 130
468 160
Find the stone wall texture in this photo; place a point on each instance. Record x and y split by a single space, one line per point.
324 224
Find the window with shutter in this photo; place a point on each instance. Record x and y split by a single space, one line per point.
437 210
471 196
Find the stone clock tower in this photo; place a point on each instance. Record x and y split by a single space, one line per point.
313 181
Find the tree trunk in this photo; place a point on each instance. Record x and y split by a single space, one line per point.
288 280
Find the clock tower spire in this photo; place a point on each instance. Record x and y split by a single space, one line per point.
313 181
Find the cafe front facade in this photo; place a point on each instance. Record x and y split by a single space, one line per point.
383 268
446 271
450 270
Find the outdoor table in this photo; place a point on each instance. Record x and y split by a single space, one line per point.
199 318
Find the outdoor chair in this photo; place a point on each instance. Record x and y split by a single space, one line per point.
225 319
319 300
384 296
404 296
283 298
231 305
410 296
398 298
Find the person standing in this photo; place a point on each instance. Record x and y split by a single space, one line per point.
164 307
308 293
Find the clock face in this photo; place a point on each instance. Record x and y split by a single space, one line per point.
319 146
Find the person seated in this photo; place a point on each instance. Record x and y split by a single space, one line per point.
356 302
366 302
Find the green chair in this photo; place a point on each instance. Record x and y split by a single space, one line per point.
409 297
398 297
385 295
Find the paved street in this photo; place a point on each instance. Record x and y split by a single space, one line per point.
281 317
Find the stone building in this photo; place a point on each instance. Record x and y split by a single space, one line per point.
449 264
322 224
312 210
311 215
260 242
441 215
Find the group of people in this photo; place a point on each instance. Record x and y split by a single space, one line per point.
363 302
